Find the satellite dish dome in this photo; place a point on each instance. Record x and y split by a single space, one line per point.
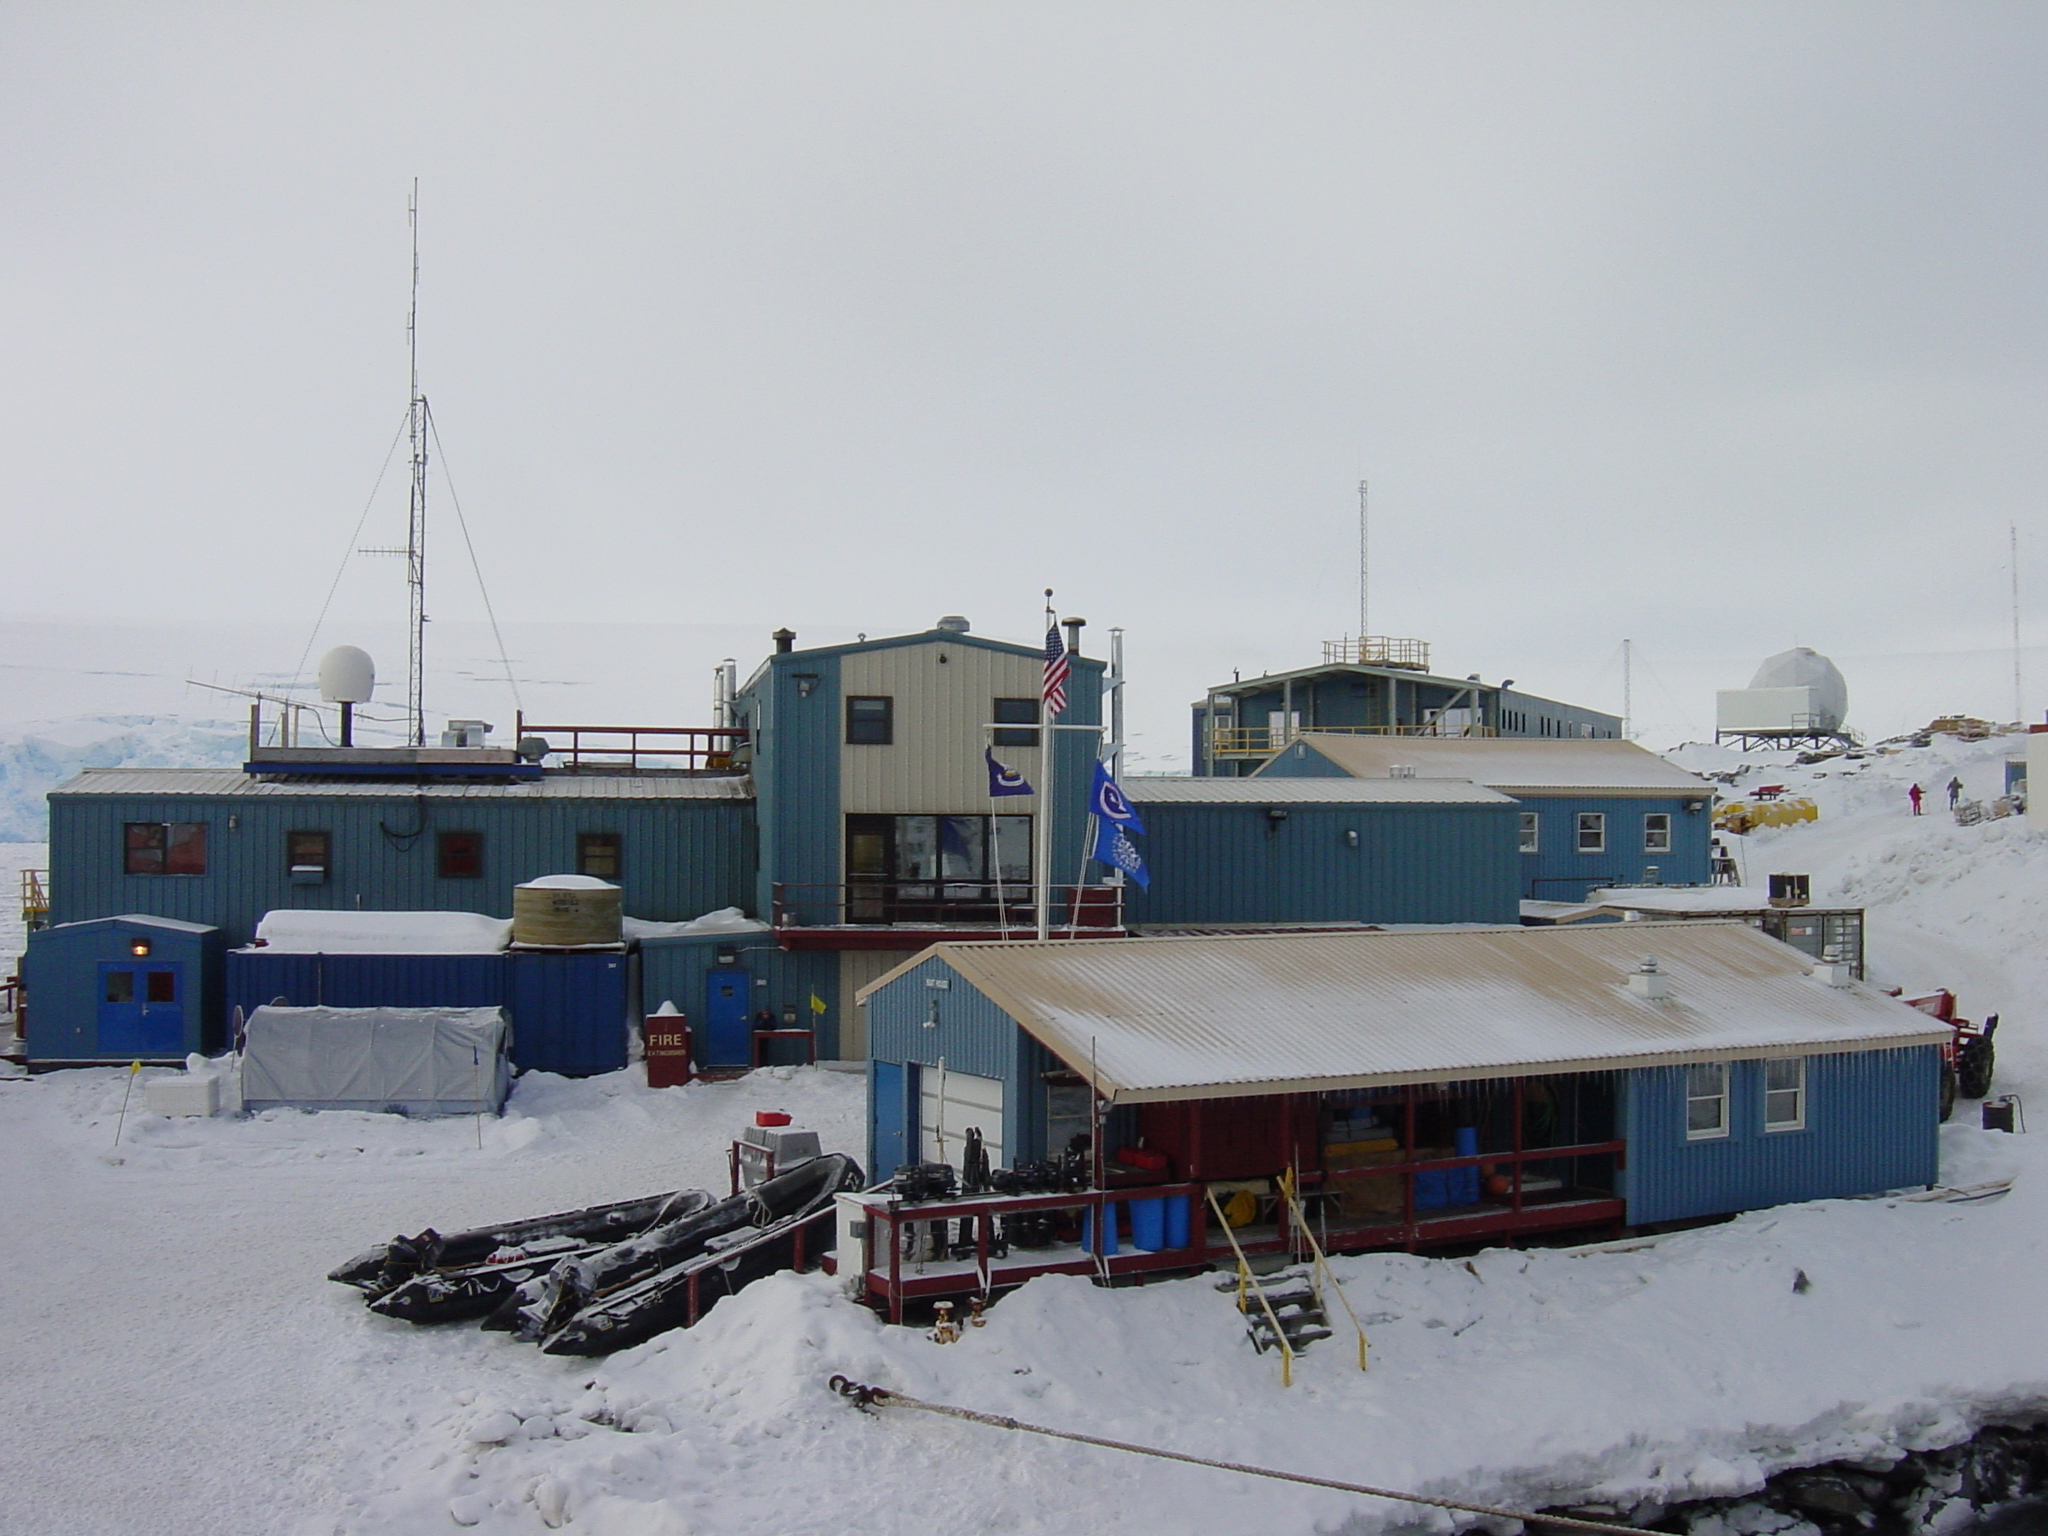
1804 668
347 675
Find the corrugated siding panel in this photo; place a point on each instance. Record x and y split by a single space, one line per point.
60 968
1413 864
256 977
1557 871
1871 1124
569 1012
972 1035
1275 1013
680 858
796 777
934 765
673 970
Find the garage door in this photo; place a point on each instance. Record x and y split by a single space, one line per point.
948 1103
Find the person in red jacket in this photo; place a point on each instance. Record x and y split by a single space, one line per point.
1913 795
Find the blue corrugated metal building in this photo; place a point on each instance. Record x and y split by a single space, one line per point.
1227 850
127 988
1435 1087
1592 812
223 848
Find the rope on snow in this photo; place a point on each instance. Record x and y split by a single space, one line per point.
866 1397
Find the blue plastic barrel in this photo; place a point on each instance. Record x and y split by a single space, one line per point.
1108 1230
1178 1216
1148 1224
1464 1188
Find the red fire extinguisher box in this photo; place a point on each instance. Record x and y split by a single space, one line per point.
668 1050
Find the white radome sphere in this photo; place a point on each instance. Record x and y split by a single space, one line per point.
1801 667
347 675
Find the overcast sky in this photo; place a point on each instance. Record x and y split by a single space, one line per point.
1716 327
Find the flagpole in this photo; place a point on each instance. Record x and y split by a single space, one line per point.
1041 858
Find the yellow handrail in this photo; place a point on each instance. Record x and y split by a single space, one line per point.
35 897
1322 1263
1244 1271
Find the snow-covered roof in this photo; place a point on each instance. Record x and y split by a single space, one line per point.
300 932
1224 1017
564 786
1252 791
1514 764
1683 900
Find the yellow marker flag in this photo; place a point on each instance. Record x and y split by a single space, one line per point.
134 1067
817 1003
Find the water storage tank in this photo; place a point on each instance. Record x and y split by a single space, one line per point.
565 912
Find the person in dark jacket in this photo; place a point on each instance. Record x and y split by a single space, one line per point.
1955 789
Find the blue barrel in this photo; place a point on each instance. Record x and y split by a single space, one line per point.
1464 1188
1148 1224
1177 1218
1088 1244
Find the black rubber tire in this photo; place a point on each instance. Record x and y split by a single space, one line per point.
1948 1089
1975 1063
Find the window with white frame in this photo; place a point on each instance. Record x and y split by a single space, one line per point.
1529 843
1706 1100
1785 1094
1657 832
1592 832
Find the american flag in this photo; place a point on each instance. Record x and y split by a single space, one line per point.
1055 694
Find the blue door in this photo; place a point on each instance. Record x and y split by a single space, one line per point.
888 1117
728 1029
142 1008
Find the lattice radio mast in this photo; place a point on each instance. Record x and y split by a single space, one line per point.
416 519
1364 567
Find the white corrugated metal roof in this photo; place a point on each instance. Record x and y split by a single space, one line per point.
1277 1013
1226 791
564 786
1510 763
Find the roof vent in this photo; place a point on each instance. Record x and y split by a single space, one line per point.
1400 770
1646 981
952 624
1835 973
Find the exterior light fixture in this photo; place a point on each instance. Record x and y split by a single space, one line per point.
789 1015
1276 813
1351 837
805 683
727 955
138 946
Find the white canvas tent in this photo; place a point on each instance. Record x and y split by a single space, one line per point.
414 1061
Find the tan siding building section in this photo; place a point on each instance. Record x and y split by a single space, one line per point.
944 695
858 967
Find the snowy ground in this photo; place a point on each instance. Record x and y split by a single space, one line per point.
173 1361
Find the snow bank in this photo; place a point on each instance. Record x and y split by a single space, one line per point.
383 933
724 920
568 883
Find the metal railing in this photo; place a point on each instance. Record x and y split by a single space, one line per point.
35 897
700 748
1260 741
1006 905
1377 651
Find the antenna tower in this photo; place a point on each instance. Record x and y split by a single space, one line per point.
416 519
2019 710
1364 566
1628 692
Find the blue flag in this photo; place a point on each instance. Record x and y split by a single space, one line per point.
1119 852
1004 781
1108 802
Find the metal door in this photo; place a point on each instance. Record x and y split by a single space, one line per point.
888 1112
142 1008
728 1030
